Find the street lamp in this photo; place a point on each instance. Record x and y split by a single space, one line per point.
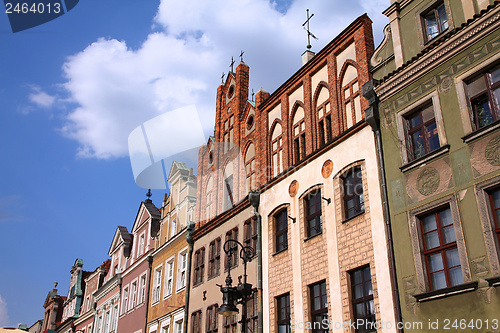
242 293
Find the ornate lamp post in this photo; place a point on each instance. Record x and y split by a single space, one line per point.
242 293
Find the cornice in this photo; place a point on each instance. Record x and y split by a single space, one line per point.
107 287
439 55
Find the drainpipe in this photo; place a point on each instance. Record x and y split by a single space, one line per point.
254 198
372 118
149 259
190 241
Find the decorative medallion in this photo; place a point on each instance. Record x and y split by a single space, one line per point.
293 188
491 151
428 181
327 169
446 84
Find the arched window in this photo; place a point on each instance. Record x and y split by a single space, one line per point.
351 96
276 150
228 200
299 135
209 211
324 117
250 166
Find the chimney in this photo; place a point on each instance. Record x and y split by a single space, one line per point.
306 56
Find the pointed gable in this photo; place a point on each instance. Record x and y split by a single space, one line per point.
121 237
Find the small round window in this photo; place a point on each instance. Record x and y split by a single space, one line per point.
250 121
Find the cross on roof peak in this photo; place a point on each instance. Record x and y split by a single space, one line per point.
309 33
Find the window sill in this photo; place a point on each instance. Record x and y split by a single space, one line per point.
426 158
481 132
197 284
353 217
445 292
280 251
494 281
311 237
180 289
167 297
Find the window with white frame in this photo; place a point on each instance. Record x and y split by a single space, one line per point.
143 288
99 324
169 277
178 326
165 328
125 300
173 228
181 276
156 284
140 250
114 318
107 318
133 294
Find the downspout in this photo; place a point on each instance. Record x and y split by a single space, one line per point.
254 198
372 118
149 259
190 241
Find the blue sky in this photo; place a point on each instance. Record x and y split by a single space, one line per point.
71 91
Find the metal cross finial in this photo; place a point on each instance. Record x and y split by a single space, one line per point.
252 95
232 64
241 55
222 77
309 33
149 194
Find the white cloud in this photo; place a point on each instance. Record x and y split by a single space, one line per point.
4 316
117 88
40 98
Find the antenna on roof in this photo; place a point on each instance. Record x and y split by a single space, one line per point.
309 33
149 194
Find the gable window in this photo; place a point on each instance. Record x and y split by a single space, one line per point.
324 117
125 300
351 97
277 150
250 233
228 194
319 306
314 218
173 228
209 211
440 249
228 134
196 321
250 166
362 300
181 276
232 261
214 258
199 266
141 245
283 317
156 285
354 202
435 21
421 132
211 323
281 229
299 135
484 97
169 277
